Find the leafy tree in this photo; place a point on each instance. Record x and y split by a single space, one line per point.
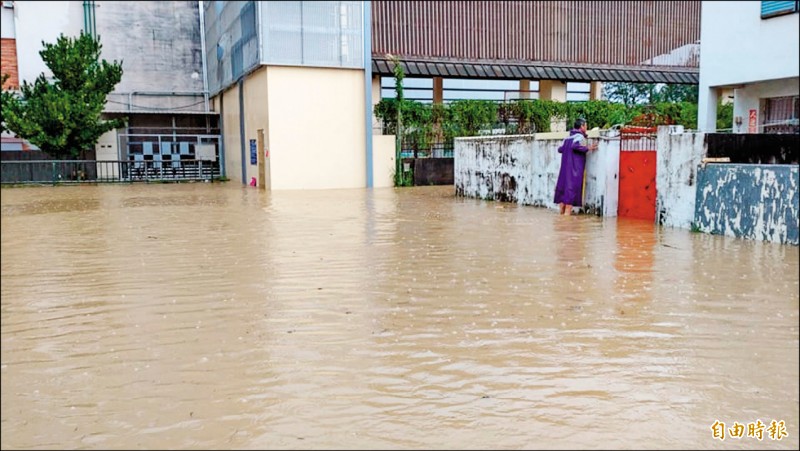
62 117
724 116
678 93
470 116
6 96
630 93
399 75
638 93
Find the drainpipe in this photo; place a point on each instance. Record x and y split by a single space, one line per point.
94 21
89 22
368 86
241 130
222 172
203 51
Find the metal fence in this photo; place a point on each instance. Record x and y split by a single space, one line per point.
167 147
112 171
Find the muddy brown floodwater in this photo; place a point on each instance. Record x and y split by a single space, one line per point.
218 316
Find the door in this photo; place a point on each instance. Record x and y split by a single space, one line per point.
263 162
637 173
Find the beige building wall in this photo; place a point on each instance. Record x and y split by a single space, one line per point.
553 90
230 132
256 117
596 90
317 127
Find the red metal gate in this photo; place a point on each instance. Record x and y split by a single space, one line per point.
637 173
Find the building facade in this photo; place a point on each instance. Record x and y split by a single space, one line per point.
295 81
290 85
289 81
163 92
752 48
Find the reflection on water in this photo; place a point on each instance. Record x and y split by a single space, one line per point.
216 316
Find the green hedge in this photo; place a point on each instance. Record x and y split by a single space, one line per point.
424 123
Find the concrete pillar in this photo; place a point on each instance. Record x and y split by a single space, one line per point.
553 90
707 110
747 103
376 98
596 90
438 91
524 89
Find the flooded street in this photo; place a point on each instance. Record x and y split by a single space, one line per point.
218 316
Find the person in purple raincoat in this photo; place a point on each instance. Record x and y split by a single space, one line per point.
569 188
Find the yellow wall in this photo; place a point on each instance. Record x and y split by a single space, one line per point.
317 130
230 133
255 115
553 90
313 122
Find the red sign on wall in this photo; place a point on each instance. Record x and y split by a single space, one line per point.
752 126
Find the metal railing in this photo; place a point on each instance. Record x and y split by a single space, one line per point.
110 171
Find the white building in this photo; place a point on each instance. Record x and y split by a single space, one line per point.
752 47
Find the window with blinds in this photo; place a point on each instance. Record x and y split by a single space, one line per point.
782 114
773 9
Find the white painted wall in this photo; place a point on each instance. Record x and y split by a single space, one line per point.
738 47
677 160
383 149
524 169
7 23
42 21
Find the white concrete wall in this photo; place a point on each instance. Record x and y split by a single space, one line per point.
228 102
158 44
602 169
7 23
738 47
42 21
677 160
524 169
383 147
